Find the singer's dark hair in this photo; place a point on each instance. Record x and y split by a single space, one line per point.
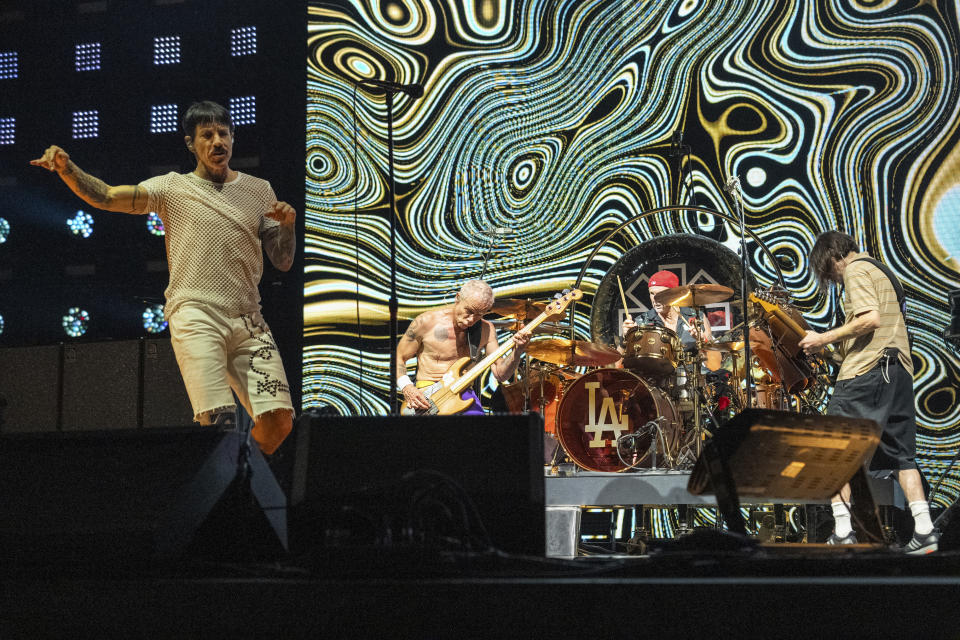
830 246
205 112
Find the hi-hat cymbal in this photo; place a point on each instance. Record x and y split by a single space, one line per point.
694 295
578 354
517 308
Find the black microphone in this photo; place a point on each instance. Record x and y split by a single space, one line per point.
413 90
676 143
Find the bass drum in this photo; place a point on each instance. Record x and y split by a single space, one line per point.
604 405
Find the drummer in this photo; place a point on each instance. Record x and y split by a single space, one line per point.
680 320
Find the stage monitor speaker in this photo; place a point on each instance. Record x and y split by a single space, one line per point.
381 481
101 385
30 385
783 456
165 400
108 498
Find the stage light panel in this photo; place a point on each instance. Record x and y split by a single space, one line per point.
4 230
75 322
1 324
243 41
87 56
166 50
243 110
81 224
8 130
163 118
9 65
155 224
153 320
86 124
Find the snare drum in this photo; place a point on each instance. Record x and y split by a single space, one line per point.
651 350
600 407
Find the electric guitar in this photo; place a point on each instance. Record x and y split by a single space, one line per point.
444 394
789 329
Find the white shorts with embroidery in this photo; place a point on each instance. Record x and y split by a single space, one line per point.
216 354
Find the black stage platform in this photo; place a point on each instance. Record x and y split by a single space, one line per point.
448 550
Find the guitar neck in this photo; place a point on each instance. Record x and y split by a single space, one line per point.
775 310
467 379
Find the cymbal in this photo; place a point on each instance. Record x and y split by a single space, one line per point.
694 295
509 323
580 354
730 345
517 308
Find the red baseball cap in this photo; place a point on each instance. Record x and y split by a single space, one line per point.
664 279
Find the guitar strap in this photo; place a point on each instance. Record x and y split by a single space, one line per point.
473 339
473 343
897 288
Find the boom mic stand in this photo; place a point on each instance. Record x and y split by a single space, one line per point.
733 188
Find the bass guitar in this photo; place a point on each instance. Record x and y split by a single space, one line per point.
444 394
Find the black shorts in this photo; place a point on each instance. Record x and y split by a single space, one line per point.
890 404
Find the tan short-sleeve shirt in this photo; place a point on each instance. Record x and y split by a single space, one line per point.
867 288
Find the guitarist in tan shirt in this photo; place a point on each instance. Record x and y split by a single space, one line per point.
876 378
439 337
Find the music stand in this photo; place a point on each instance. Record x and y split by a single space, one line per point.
781 456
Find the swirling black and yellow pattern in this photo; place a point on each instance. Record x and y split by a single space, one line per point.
556 119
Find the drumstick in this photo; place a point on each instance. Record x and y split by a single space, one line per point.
623 296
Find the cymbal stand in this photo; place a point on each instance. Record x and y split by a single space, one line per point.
732 187
697 386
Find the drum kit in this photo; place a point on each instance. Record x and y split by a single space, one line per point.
652 403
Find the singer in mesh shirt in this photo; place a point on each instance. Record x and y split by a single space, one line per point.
218 223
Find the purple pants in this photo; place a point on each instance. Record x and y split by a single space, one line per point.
476 409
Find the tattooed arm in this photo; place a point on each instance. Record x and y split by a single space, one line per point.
93 191
408 347
280 242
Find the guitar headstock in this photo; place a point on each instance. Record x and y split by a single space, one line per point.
562 300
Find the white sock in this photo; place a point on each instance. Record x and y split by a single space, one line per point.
841 519
921 517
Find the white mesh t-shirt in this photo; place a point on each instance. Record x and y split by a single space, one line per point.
212 234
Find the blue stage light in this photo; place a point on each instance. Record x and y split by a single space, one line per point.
155 224
4 230
243 110
243 41
9 65
86 124
163 118
87 56
166 50
153 320
75 322
81 224
8 130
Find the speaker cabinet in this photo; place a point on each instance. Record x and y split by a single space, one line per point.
30 385
101 385
165 400
363 481
134 496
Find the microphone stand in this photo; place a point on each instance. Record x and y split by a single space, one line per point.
414 91
393 303
733 188
486 255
